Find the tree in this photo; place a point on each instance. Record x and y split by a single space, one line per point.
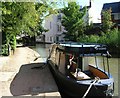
43 9
73 21
17 17
106 20
22 18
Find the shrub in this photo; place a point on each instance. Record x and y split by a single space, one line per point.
93 38
110 38
5 50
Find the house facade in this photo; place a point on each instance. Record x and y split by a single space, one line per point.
87 17
115 7
55 29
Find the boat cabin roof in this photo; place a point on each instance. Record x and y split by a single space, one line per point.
84 49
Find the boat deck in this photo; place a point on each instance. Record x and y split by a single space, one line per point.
33 80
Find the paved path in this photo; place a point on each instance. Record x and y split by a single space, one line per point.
20 76
5 59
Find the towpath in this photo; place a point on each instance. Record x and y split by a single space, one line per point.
21 76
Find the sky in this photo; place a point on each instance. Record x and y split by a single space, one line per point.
96 8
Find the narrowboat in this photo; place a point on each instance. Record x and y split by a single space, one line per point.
75 75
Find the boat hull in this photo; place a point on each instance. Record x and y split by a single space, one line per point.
71 88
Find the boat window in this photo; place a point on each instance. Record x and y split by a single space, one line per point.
100 61
94 61
71 62
52 56
85 63
57 54
62 62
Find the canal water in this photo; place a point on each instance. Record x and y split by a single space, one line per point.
43 50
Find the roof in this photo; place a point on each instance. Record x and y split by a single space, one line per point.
115 6
83 49
80 45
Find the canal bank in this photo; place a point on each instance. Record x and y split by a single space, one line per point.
22 76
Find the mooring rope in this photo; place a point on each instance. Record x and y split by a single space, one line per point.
96 80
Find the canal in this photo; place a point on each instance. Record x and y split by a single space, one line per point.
43 50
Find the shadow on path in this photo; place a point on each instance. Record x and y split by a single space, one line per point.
32 80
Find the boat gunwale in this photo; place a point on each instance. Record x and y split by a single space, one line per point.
80 82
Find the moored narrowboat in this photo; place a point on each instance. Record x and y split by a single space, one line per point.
75 76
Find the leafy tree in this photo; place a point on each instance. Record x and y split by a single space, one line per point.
43 9
17 17
106 20
73 21
22 18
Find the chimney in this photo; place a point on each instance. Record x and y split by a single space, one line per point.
90 4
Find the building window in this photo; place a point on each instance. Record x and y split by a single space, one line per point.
59 27
112 16
119 16
50 25
47 38
57 38
50 38
59 17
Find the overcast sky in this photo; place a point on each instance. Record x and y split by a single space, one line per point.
96 7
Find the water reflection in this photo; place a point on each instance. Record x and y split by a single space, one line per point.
43 50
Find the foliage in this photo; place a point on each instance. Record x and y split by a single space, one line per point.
22 18
89 38
108 35
17 17
106 20
73 21
119 38
110 38
5 49
12 42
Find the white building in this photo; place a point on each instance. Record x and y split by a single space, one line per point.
88 17
53 24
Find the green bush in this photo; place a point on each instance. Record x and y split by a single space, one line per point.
119 38
93 38
102 39
5 50
83 38
13 42
9 43
110 38
89 39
